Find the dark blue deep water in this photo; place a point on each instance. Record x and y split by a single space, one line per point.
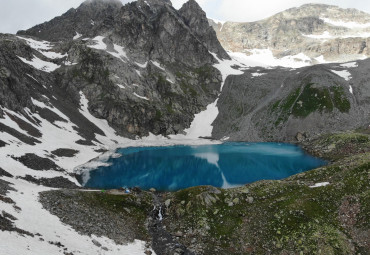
178 167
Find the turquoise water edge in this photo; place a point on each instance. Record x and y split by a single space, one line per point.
223 165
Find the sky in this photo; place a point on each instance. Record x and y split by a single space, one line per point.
22 14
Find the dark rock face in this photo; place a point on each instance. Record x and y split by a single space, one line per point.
64 152
56 182
289 104
6 224
37 163
89 17
196 19
14 93
5 173
167 71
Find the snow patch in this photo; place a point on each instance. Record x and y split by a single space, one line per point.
226 68
201 126
99 44
350 65
78 35
341 23
43 47
40 64
37 45
170 81
33 78
257 74
142 65
157 65
69 63
121 86
321 184
145 98
321 59
120 53
344 74
265 58
325 35
53 55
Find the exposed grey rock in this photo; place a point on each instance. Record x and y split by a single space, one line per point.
96 243
288 33
5 173
167 202
35 162
150 32
63 152
196 19
5 187
56 182
300 137
276 106
7 224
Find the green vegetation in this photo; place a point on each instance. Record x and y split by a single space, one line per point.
339 99
312 100
284 217
188 89
203 76
158 115
308 99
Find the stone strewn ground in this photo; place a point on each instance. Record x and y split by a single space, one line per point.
121 218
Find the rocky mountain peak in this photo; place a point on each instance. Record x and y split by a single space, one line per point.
155 2
196 19
102 2
311 33
143 66
89 17
193 6
325 11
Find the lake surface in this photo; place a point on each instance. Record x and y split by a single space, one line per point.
225 165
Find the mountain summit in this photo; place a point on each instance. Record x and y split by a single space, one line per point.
161 58
323 33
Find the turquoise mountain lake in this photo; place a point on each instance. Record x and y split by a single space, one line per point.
223 165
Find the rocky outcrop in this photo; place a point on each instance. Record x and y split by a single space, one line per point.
316 30
196 19
279 104
87 19
144 66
